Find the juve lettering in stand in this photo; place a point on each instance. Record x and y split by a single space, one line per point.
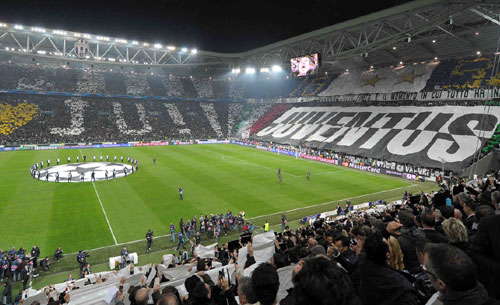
427 136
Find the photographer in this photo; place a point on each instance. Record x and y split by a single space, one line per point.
45 263
125 257
81 258
58 254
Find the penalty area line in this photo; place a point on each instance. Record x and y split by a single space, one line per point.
102 207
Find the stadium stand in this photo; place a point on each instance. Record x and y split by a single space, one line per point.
468 72
52 119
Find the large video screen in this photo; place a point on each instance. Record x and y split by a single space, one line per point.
305 65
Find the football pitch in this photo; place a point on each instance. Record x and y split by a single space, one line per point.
215 178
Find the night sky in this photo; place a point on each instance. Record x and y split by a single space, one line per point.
215 25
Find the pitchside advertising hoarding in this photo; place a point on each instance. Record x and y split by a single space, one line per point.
431 137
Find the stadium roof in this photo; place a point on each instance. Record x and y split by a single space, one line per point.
416 31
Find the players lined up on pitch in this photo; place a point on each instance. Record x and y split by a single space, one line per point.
37 174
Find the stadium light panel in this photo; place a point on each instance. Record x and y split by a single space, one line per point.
157 46
3 25
250 70
18 27
135 42
235 70
264 70
6 48
59 32
121 40
184 49
87 36
171 48
77 35
276 68
146 44
39 30
194 51
41 52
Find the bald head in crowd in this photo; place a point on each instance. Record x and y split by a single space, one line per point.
169 299
141 296
311 242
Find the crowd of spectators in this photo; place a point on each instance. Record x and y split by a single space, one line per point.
36 119
463 73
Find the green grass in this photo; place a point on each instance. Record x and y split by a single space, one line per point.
215 178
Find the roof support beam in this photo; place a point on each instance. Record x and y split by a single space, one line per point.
485 16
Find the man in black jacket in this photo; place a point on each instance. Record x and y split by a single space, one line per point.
428 224
453 275
407 240
345 257
380 284
35 253
485 251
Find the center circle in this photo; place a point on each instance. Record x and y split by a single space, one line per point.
73 172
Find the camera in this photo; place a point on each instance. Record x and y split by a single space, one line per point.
221 274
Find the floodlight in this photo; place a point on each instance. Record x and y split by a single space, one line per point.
77 35
3 25
184 49
264 70
135 42
88 36
194 51
250 70
146 44
171 48
18 27
157 46
276 68
41 52
59 32
236 70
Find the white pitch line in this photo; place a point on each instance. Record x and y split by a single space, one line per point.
102 207
330 202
